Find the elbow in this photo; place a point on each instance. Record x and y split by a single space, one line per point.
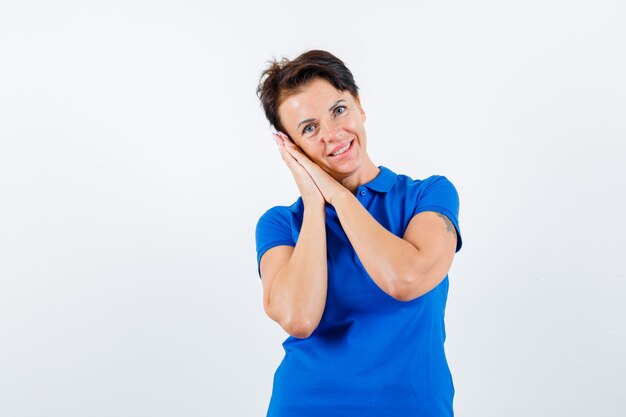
405 297
405 288
300 329
296 327
401 295
417 285
411 279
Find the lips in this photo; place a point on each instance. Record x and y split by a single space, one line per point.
331 154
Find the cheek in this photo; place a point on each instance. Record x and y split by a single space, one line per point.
304 148
352 124
315 152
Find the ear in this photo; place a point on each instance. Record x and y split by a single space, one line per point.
358 102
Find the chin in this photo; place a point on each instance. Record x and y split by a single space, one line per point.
348 169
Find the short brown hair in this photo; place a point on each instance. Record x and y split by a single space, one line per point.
284 78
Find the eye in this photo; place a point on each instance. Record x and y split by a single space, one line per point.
307 130
342 108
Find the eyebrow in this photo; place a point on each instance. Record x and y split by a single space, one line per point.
330 109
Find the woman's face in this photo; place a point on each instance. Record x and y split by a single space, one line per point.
327 124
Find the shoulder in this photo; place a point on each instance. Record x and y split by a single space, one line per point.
437 190
437 193
435 179
419 187
276 227
282 214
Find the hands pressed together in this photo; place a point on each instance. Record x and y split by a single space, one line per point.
316 185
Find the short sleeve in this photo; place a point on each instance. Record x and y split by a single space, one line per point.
273 229
441 196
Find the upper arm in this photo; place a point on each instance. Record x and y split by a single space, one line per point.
271 263
435 237
274 246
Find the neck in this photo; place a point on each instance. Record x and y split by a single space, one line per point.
366 173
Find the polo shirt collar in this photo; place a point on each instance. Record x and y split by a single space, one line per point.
383 181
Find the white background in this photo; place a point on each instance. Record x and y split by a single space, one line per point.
135 161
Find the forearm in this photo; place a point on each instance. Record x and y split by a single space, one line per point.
391 261
299 291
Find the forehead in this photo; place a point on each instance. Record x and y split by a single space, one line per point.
312 98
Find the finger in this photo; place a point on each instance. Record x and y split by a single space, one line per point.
285 155
278 138
292 150
295 150
300 157
289 159
284 136
290 143
297 156
280 142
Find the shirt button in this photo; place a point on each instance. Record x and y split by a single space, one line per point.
363 192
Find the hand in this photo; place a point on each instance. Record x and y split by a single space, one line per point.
327 185
311 195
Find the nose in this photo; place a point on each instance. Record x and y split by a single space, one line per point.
330 131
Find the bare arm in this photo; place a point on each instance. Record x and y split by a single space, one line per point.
295 280
296 292
404 268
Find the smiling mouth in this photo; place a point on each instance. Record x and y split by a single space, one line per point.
343 150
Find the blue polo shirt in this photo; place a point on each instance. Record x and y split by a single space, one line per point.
371 355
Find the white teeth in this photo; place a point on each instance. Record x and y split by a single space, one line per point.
342 150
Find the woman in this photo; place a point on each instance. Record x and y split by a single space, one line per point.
355 271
